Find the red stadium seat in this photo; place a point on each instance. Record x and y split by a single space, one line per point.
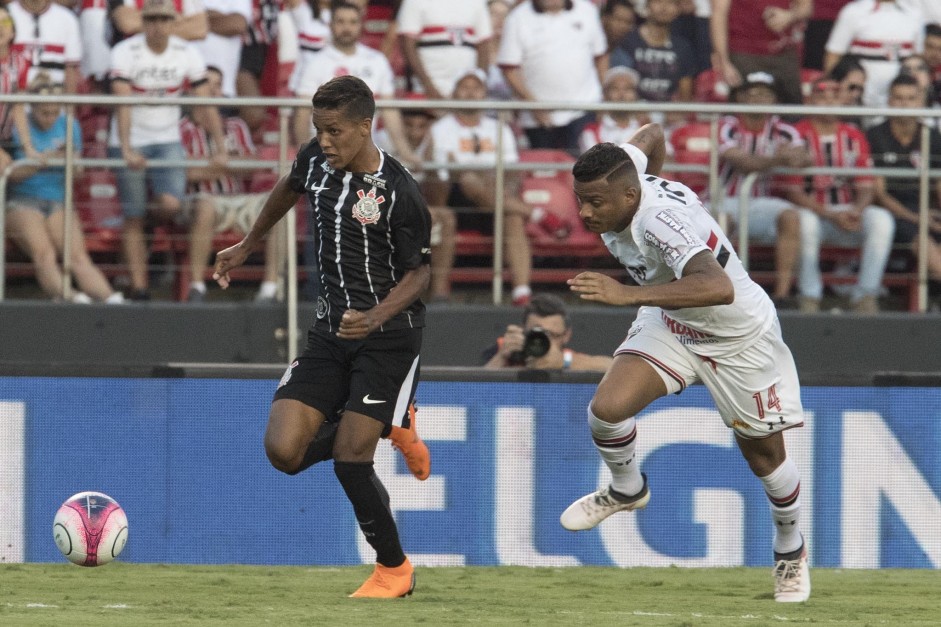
99 208
691 144
708 87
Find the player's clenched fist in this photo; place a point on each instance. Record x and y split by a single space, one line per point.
231 257
354 325
599 288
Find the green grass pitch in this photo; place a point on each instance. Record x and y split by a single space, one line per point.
138 594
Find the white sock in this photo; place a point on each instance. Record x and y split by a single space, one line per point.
115 299
616 443
537 215
268 289
783 488
521 290
199 286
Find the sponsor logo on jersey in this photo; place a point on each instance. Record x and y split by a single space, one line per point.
686 334
375 181
670 254
326 167
671 222
367 209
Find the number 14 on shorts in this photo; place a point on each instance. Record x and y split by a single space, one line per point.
770 400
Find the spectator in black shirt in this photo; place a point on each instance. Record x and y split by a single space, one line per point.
896 144
360 367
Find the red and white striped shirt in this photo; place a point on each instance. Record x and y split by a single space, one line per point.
846 148
238 143
764 143
263 27
13 78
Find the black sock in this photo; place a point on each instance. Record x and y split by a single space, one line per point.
371 506
320 448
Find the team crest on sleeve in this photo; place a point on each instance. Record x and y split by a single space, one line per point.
367 209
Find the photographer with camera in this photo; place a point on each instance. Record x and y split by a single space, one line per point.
541 342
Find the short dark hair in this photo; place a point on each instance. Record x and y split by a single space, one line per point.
904 80
605 160
347 94
933 30
847 63
537 6
344 4
544 305
611 5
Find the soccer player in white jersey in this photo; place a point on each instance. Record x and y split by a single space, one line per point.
701 318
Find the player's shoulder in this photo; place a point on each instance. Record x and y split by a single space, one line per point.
398 177
309 150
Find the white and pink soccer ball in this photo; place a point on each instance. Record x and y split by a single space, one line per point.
90 529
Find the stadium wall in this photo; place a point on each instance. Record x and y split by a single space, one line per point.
834 348
183 455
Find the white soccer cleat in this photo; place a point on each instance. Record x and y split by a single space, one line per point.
792 579
591 509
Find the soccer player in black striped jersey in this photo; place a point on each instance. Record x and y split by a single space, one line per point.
372 231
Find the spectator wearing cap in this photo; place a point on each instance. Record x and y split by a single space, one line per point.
554 50
618 19
760 36
620 86
839 210
880 33
666 63
468 137
49 35
155 63
442 40
345 55
760 142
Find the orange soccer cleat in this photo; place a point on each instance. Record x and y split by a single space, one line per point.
388 583
407 442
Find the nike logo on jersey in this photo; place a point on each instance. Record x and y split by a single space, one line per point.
317 188
370 401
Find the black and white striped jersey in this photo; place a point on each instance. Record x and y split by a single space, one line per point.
369 230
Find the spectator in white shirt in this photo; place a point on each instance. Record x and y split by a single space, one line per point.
48 34
468 137
554 50
154 63
443 40
345 55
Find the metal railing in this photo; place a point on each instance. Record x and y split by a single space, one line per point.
503 110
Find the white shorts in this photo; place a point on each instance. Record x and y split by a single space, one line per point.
234 212
755 390
763 215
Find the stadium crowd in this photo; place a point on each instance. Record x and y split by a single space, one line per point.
832 52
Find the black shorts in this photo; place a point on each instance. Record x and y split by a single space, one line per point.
253 59
469 217
375 377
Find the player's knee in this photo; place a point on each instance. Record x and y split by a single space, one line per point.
283 460
605 411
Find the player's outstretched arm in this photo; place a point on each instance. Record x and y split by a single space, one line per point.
649 138
279 202
356 325
704 283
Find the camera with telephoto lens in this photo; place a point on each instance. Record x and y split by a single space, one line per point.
535 344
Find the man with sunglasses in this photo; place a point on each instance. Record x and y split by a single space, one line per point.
156 64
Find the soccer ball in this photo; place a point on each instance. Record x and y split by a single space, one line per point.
90 529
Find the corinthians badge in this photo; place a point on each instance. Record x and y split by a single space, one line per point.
366 209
